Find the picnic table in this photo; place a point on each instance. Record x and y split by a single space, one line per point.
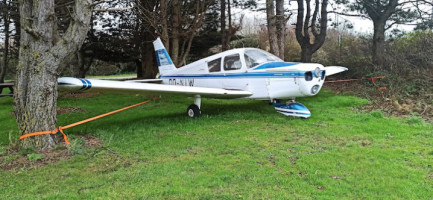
7 85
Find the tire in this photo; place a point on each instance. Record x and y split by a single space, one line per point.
193 111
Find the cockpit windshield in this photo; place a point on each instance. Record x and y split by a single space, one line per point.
255 57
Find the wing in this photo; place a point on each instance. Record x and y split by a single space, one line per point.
331 70
75 84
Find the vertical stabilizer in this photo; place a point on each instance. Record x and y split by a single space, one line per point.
165 64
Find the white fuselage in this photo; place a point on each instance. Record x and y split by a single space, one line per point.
268 80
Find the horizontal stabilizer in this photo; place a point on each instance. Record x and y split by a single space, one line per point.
331 70
75 84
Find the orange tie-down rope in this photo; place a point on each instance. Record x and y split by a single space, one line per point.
61 128
373 79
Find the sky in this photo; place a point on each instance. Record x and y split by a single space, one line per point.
254 18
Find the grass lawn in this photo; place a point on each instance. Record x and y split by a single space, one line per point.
236 150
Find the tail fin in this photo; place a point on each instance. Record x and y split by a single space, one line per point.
165 64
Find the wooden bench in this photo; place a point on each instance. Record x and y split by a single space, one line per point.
7 85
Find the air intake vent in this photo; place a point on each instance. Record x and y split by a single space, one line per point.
308 76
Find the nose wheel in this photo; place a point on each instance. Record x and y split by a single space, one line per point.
193 110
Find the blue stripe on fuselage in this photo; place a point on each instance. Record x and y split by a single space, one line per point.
275 65
283 74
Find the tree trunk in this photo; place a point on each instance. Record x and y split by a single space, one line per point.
176 32
378 43
2 73
39 64
306 54
84 63
148 69
272 29
138 65
5 62
164 24
74 65
281 27
231 31
223 26
380 12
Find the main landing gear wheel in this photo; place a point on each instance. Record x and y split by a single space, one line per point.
193 111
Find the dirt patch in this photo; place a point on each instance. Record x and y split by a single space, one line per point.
62 110
79 94
366 143
14 160
402 108
91 141
384 100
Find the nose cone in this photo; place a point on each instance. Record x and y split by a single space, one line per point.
314 77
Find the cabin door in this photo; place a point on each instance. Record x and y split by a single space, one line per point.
235 76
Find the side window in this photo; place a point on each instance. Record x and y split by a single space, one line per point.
249 61
232 62
214 65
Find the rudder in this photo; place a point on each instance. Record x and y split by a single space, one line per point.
165 64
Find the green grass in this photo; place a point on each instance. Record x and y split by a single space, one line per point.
236 150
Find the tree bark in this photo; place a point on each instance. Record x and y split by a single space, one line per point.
139 66
39 64
231 31
148 69
84 63
272 29
306 53
281 27
378 52
176 32
5 61
164 24
223 26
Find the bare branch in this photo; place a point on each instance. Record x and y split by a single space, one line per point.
350 15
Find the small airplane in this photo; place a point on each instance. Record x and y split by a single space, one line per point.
245 73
